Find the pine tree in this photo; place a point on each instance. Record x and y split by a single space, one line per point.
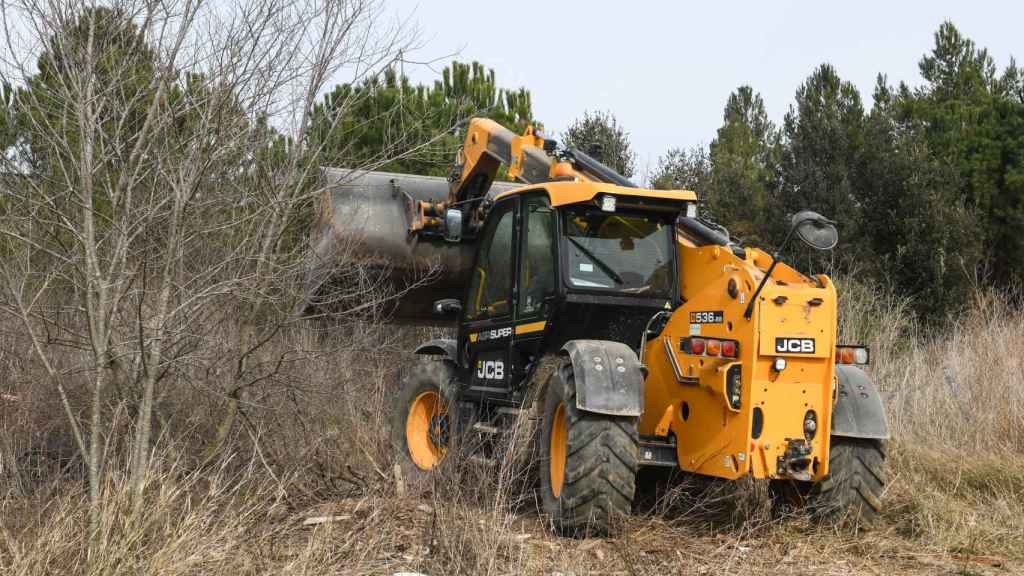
973 120
682 169
922 238
417 128
824 137
745 157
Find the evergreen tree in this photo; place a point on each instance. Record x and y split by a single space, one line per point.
824 138
600 135
8 119
973 120
922 238
745 159
120 60
418 128
682 169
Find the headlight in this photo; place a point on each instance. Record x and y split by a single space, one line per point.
608 203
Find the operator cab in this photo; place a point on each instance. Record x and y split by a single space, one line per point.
544 275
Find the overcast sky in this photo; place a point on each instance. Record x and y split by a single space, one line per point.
666 68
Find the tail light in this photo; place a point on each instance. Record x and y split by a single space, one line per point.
714 348
711 347
697 346
853 354
729 348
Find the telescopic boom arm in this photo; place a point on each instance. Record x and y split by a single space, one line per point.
530 158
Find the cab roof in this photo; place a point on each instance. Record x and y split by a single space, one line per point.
574 192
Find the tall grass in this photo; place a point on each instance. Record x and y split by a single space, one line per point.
316 446
955 400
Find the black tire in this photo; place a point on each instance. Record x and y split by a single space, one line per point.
852 491
434 377
601 462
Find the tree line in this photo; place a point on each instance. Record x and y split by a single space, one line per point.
927 185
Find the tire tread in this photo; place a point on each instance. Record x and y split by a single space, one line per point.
601 465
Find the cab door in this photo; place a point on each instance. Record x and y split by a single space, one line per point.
488 316
535 286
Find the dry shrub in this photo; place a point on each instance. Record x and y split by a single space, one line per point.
956 412
314 443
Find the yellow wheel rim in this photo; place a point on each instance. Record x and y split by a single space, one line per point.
427 415
559 434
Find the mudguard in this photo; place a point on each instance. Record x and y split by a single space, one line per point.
858 412
439 347
609 377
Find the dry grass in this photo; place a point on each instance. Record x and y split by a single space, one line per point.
316 446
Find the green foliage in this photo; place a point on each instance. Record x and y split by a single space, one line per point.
389 124
824 138
103 46
681 169
927 187
919 234
735 177
745 158
973 119
8 119
600 135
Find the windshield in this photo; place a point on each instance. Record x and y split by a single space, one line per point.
622 252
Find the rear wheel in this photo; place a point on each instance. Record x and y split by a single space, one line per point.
421 422
589 461
852 491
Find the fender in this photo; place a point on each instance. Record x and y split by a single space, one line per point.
858 412
439 347
609 377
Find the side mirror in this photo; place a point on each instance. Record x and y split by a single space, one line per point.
447 306
815 230
453 225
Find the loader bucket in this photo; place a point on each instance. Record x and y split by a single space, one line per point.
364 221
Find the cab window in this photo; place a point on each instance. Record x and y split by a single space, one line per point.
537 276
619 252
491 285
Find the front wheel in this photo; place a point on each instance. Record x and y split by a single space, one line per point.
421 421
589 461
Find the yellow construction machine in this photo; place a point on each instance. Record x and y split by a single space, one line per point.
666 344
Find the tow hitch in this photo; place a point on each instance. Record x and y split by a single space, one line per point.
795 462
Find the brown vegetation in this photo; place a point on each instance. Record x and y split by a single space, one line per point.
315 447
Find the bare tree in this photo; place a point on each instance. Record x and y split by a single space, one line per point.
163 174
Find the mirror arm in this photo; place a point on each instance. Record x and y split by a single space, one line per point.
753 298
775 260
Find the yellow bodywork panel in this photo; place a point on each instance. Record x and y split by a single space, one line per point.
563 193
711 437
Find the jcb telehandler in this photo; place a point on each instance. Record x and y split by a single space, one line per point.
672 346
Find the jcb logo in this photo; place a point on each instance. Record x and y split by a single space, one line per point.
490 370
795 345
